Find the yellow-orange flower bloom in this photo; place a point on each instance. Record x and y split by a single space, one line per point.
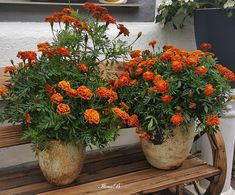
57 98
27 117
135 53
133 120
72 92
209 89
166 98
122 114
152 43
64 85
84 92
3 91
148 75
138 71
103 92
177 119
9 69
177 66
161 86
92 116
82 67
212 120
50 89
63 109
124 106
200 70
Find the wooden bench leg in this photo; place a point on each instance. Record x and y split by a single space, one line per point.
219 161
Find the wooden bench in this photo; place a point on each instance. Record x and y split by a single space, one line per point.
123 168
121 171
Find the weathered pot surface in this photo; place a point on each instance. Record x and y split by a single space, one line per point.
62 162
173 151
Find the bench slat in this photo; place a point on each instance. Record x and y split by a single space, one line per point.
11 136
125 164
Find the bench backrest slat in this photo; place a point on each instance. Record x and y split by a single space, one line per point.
10 136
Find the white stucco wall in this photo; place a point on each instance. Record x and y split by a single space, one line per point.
16 36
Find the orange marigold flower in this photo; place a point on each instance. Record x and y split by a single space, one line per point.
84 92
200 70
63 109
50 89
72 92
133 120
177 66
150 62
133 82
168 46
144 136
177 119
157 78
89 6
123 30
101 9
192 105
106 93
176 58
152 43
166 98
148 75
67 10
9 69
67 19
134 62
64 85
92 116
27 55
135 53
167 55
205 46
191 61
212 120
51 19
138 71
63 51
230 76
122 80
124 106
3 91
161 86
108 19
209 89
82 67
48 52
43 46
122 114
27 117
57 98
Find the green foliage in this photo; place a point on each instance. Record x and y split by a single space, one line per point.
29 103
187 87
172 10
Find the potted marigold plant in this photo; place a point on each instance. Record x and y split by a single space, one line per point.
60 97
174 93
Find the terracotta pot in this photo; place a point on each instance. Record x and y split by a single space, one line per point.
173 151
61 163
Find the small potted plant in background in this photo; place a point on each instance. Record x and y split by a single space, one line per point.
61 97
175 94
214 22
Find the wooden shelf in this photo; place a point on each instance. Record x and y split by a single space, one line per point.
130 4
